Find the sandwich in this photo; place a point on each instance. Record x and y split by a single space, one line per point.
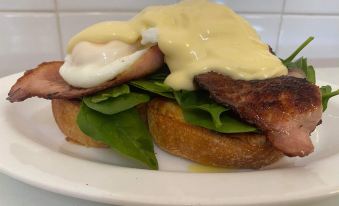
192 77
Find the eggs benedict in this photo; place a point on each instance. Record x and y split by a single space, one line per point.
209 89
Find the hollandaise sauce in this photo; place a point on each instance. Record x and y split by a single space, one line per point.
196 36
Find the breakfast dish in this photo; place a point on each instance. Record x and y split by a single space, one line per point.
33 150
205 89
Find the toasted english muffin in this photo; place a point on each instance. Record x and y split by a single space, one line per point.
172 134
65 113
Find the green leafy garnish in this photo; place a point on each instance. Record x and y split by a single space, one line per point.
308 70
298 50
161 74
118 104
124 132
155 83
228 124
301 63
200 110
326 94
152 86
200 100
112 92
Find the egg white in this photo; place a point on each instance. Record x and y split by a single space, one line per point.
91 64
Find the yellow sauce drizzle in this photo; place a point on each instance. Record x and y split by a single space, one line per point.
196 36
197 168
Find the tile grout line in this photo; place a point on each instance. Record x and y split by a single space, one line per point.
100 11
282 13
25 11
291 13
56 11
135 11
257 12
311 14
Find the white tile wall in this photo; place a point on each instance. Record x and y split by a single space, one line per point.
28 5
312 6
33 31
264 6
267 26
26 39
72 23
108 5
296 29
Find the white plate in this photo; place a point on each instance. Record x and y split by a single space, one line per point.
33 150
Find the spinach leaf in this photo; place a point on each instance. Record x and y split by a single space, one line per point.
301 63
161 74
118 104
154 83
124 132
326 93
308 70
310 73
152 86
158 77
200 100
112 92
298 50
228 124
200 110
